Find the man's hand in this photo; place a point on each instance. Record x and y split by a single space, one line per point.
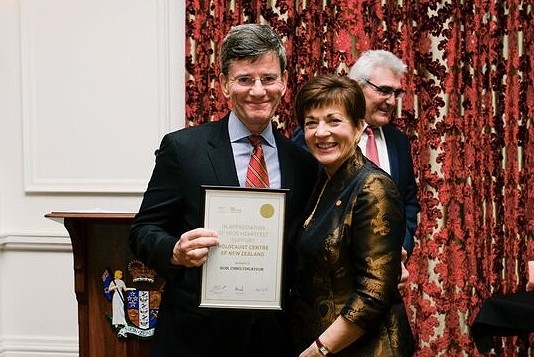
530 281
403 283
191 250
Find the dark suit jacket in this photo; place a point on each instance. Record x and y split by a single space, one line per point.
401 167
171 205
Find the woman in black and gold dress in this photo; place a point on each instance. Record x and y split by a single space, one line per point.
348 252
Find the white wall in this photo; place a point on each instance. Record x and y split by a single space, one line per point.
87 89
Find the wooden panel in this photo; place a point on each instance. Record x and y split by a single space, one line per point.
99 243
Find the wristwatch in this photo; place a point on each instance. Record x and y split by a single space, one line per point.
322 348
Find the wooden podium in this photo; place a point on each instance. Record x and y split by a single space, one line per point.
99 244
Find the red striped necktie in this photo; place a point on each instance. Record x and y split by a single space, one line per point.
257 175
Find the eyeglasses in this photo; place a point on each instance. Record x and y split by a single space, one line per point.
248 81
387 91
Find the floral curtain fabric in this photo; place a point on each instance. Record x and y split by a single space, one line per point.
469 111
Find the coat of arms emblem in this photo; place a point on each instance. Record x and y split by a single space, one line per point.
134 309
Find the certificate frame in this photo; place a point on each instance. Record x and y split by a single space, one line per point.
245 270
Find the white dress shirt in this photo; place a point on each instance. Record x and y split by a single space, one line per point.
242 149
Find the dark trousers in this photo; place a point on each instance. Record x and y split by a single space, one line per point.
239 333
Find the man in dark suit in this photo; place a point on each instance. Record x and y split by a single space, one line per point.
168 232
380 73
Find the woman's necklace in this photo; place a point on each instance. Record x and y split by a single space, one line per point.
310 217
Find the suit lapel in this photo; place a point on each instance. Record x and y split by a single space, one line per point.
392 152
286 160
221 155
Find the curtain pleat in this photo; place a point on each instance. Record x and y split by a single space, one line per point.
468 111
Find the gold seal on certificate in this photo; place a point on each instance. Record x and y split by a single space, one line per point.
245 270
267 210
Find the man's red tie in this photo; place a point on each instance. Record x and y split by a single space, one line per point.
371 151
257 175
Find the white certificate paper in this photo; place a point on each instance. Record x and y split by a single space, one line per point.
245 270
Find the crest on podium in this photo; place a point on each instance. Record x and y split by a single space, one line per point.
134 307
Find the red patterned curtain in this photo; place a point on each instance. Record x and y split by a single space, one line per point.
469 110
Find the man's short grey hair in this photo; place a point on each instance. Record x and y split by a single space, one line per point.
251 41
367 63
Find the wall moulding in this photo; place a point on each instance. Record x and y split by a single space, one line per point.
38 346
35 243
96 92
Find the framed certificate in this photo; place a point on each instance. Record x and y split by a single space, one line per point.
245 270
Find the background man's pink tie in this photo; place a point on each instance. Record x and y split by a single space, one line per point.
257 175
371 151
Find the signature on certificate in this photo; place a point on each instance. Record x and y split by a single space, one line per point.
218 289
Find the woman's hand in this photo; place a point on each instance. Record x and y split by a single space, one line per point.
311 351
404 272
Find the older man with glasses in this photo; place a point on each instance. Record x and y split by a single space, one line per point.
380 74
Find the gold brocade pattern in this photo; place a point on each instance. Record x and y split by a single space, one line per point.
379 224
348 262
